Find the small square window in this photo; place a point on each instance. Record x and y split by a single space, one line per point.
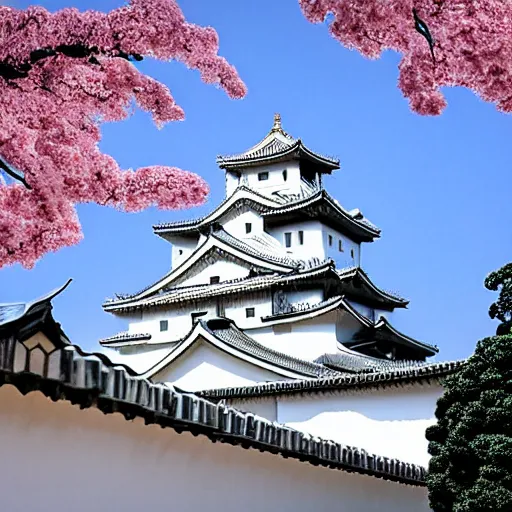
249 312
301 237
262 176
248 227
164 325
340 245
288 239
214 280
330 240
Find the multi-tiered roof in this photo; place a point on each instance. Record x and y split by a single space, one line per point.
272 269
277 146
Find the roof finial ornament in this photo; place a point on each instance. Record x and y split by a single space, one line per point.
277 123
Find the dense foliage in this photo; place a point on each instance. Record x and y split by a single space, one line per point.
471 444
61 75
464 43
501 309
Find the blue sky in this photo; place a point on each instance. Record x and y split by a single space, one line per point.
437 187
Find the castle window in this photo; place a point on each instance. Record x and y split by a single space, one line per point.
262 176
164 325
352 253
248 227
214 280
301 237
288 239
285 175
340 245
196 316
180 252
249 312
330 240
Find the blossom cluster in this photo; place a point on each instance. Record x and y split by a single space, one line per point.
61 75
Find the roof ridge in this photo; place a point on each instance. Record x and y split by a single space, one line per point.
239 339
340 382
92 380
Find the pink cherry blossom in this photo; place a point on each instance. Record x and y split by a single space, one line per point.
472 44
61 75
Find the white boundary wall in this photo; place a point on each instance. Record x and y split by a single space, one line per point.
60 458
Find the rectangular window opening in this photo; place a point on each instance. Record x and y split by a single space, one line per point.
214 280
287 239
262 176
330 240
285 175
248 227
249 312
351 253
301 237
164 325
340 245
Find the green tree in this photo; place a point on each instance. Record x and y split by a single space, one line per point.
471 444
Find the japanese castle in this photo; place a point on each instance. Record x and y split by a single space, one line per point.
268 286
266 334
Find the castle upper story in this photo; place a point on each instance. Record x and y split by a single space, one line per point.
278 164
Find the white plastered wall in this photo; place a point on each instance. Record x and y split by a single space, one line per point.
306 339
128 466
182 248
201 274
390 421
235 223
235 309
276 181
313 246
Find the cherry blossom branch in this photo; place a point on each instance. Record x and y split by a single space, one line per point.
14 174
468 44
61 75
77 51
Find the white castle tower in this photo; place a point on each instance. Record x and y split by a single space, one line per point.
268 286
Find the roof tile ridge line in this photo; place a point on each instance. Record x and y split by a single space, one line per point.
211 236
330 359
270 136
352 380
329 158
322 193
202 329
242 280
246 155
256 281
337 204
312 308
199 220
27 306
284 355
71 347
130 297
298 145
269 257
145 403
384 321
296 273
366 277
178 343
125 335
308 435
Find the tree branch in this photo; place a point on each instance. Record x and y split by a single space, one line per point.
77 51
13 174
